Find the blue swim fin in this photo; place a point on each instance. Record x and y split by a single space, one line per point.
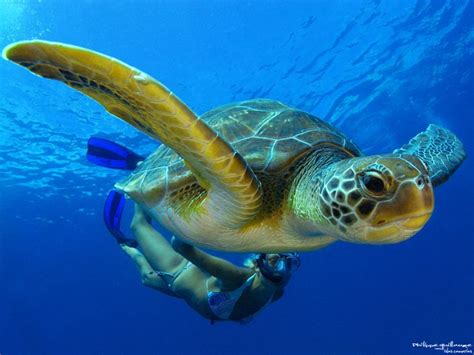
111 155
113 210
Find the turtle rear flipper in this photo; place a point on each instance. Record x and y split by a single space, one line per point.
234 192
439 149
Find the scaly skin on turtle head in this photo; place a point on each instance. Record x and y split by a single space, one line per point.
372 200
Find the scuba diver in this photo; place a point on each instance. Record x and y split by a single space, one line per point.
215 288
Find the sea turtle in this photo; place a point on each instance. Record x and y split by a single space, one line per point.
258 175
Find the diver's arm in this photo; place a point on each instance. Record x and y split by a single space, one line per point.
217 267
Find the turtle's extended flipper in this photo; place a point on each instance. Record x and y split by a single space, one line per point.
146 104
439 149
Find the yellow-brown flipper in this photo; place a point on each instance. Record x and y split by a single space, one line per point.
143 102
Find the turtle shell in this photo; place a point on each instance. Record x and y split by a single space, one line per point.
268 134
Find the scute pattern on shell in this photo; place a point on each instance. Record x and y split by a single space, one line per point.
268 134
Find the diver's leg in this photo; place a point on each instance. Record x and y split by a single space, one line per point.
157 250
148 275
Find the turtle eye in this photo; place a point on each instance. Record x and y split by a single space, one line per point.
373 183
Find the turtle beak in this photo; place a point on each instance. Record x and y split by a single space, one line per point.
416 223
411 203
404 215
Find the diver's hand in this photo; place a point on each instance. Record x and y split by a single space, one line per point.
180 246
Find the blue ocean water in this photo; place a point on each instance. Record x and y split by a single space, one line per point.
380 71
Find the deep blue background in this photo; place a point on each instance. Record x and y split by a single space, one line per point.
378 70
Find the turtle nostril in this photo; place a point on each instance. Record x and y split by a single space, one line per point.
426 180
420 181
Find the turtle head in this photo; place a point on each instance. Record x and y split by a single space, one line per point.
378 199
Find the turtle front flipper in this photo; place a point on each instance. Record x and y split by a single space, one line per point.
149 106
439 149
